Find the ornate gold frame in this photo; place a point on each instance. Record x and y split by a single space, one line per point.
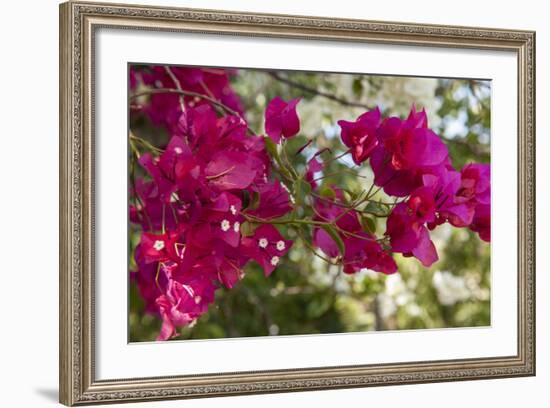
78 22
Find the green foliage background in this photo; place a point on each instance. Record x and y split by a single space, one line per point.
304 295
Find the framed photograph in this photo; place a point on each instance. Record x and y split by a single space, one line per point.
256 203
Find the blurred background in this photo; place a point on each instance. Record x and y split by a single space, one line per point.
304 295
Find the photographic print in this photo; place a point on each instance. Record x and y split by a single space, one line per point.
234 223
270 202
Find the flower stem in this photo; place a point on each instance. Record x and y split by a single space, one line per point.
283 221
336 157
144 143
178 85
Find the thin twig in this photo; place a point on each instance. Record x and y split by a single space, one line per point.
342 205
257 220
178 85
195 95
145 143
327 162
477 150
337 173
314 91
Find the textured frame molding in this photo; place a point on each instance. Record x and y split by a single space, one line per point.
76 254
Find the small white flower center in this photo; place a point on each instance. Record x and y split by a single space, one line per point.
158 245
233 210
197 299
275 260
225 225
281 245
262 243
178 150
236 227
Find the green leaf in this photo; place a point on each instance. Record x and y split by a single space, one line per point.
351 195
376 209
369 224
301 190
271 148
331 231
327 192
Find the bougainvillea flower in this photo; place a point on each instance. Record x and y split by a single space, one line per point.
198 126
360 136
230 170
482 222
225 218
407 149
456 194
449 206
281 119
182 304
417 119
206 133
159 247
146 278
148 209
378 259
313 166
176 166
355 252
213 82
411 143
226 264
229 272
475 183
218 143
425 250
360 247
267 246
323 241
366 253
274 201
409 236
398 183
402 228
164 108
421 204
361 251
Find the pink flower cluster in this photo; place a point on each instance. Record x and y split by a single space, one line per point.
196 196
164 108
410 161
210 200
